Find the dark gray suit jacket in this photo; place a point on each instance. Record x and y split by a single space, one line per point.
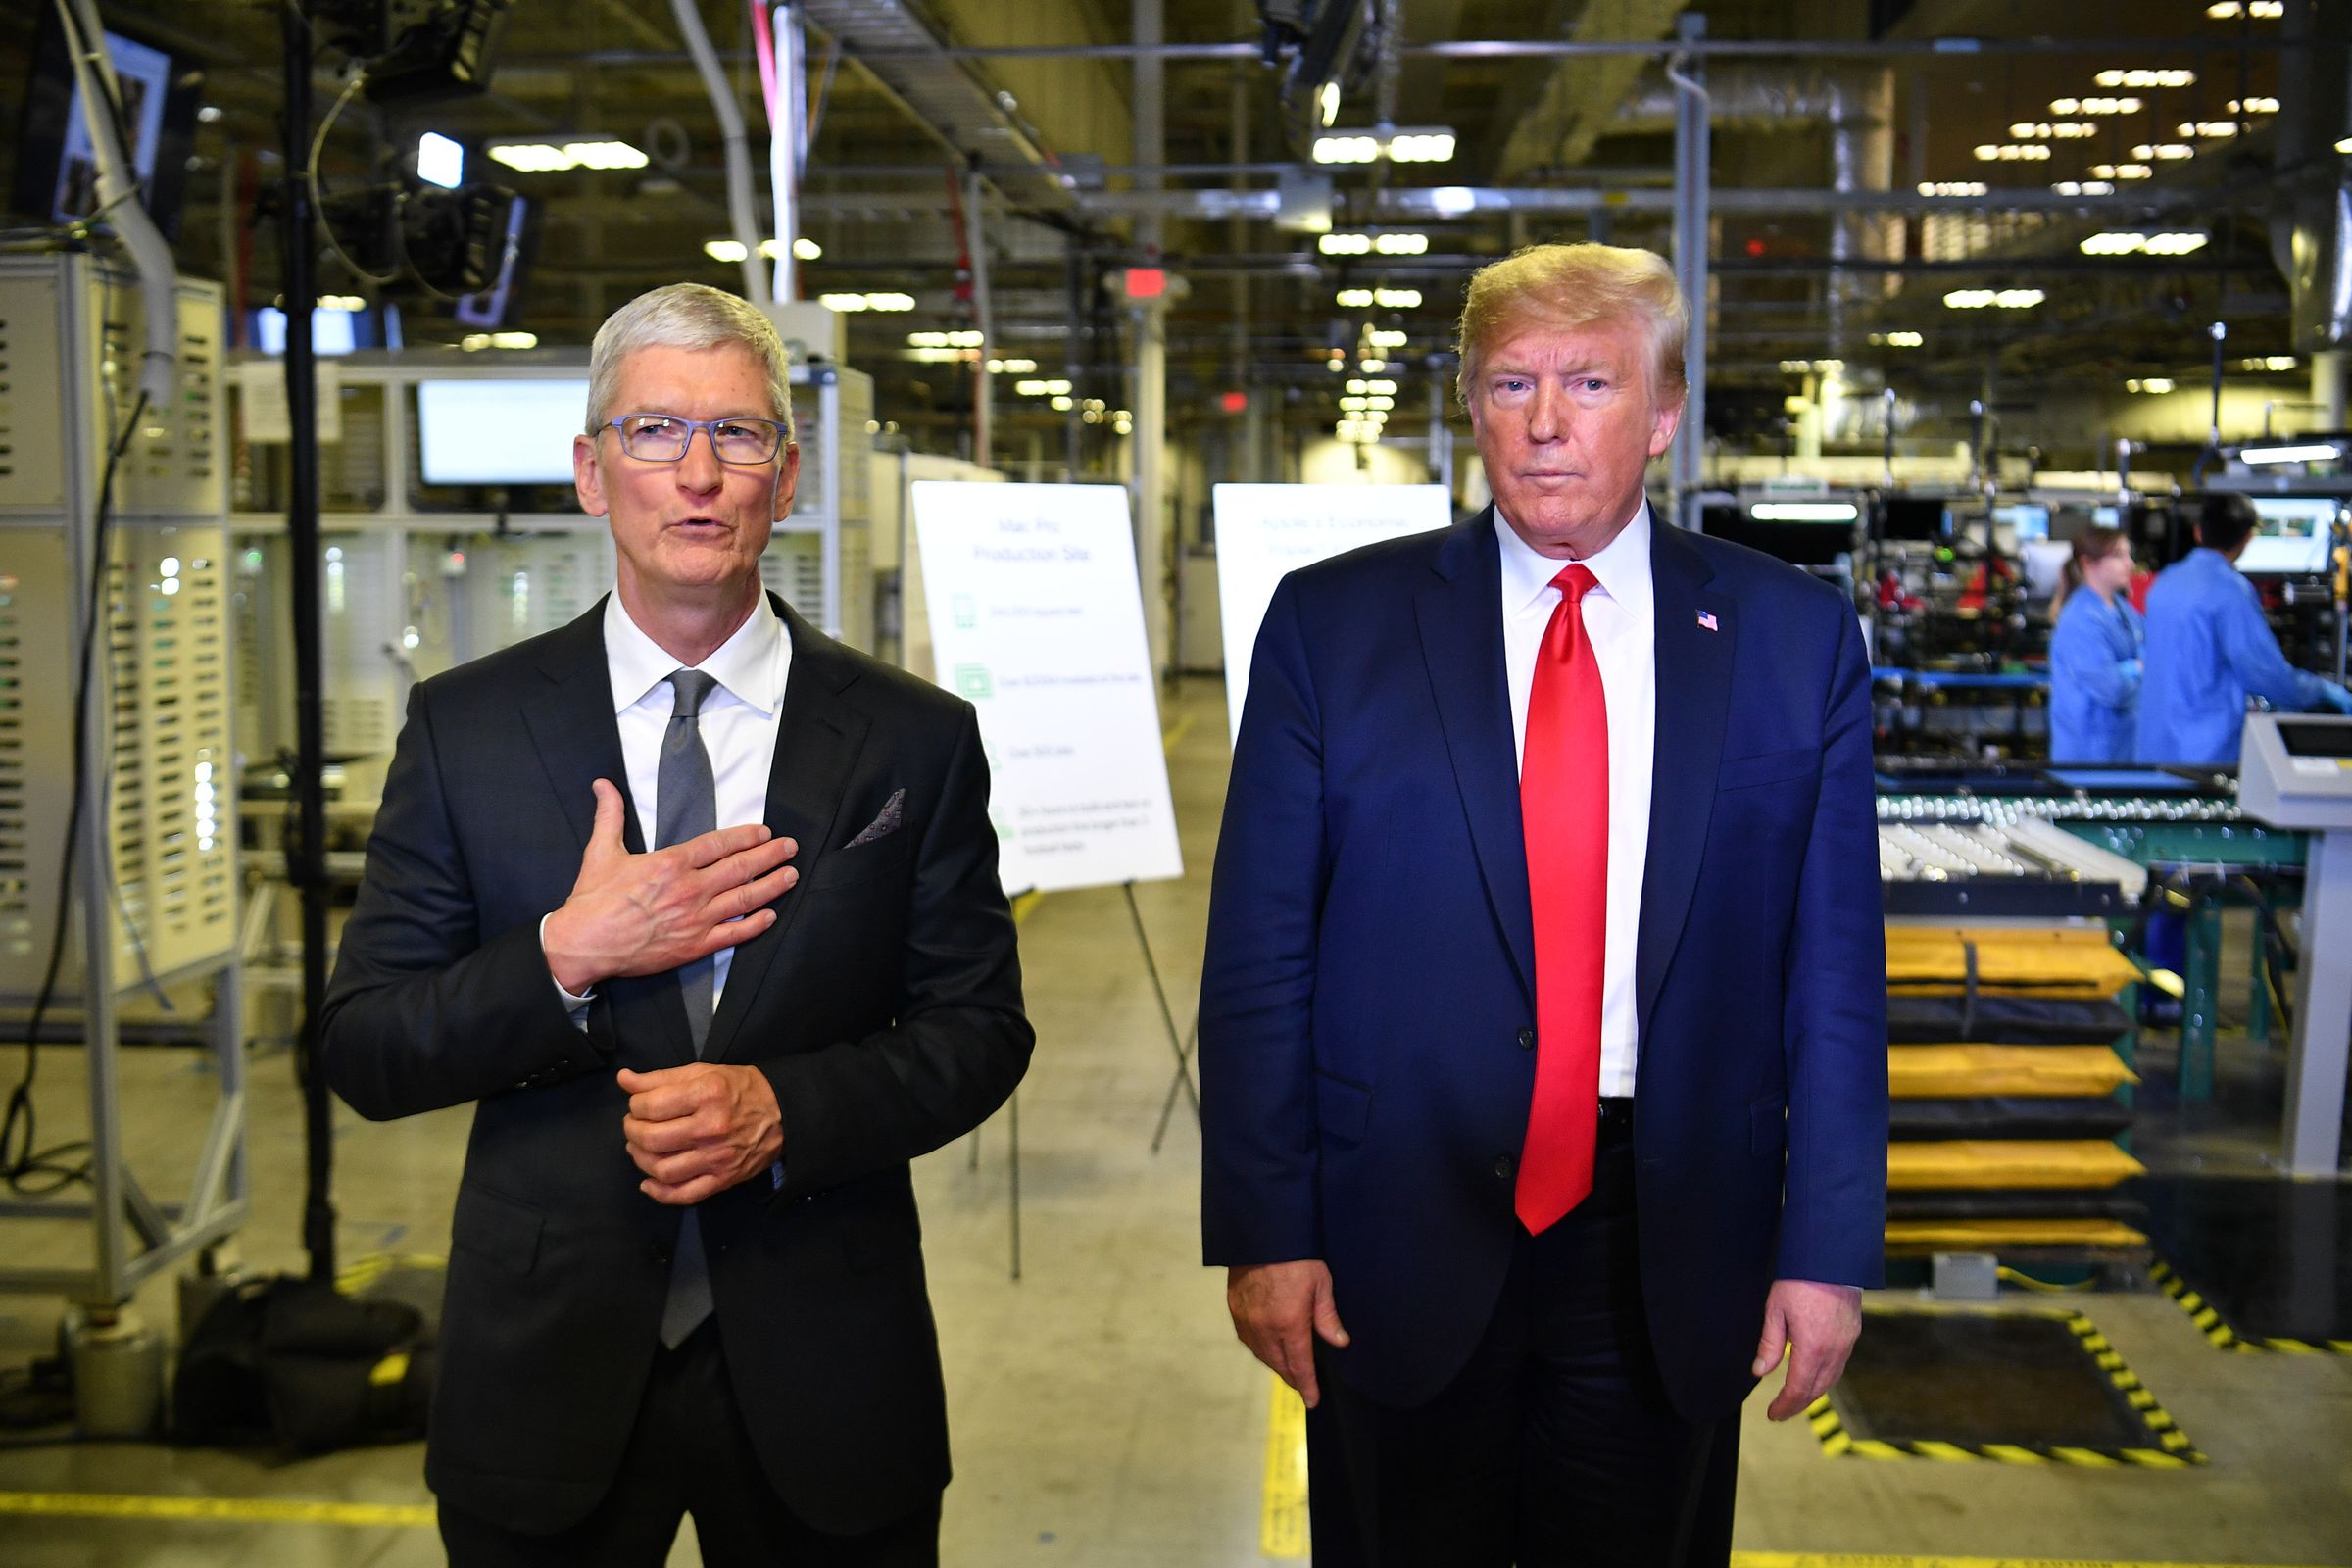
884 1005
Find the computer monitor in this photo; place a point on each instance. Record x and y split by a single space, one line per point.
2045 562
502 431
57 176
2292 537
2028 519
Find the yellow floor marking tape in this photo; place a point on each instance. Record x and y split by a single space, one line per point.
1282 1520
220 1510
1836 1559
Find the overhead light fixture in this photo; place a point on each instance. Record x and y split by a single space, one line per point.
1397 298
2344 146
1953 187
1371 367
2138 242
2012 152
2084 188
1327 100
2258 10
1898 340
1805 511
2306 452
1454 201
2149 383
731 250
1370 244
350 303
475 342
1011 366
548 158
2268 361
2163 152
2253 106
440 160
2210 130
2123 171
2006 299
867 302
1418 144
1054 388
1062 404
2053 130
1388 337
2146 79
1810 366
2096 106
965 339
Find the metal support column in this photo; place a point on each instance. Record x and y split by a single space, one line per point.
1691 137
2316 1068
788 147
975 234
1150 403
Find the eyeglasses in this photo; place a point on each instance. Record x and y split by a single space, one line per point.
664 438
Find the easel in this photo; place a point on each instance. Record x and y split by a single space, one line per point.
1182 1046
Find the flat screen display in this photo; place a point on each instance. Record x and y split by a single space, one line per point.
2291 537
499 431
2311 738
2030 520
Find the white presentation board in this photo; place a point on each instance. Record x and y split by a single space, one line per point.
1265 530
1037 619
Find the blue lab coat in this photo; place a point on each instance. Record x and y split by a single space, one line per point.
2208 650
2094 679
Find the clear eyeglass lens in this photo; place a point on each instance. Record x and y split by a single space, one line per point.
654 438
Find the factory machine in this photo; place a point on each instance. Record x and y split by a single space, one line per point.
2012 895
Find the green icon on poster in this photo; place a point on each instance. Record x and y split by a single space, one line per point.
967 614
975 682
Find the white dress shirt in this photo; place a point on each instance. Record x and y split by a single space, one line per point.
738 722
1620 620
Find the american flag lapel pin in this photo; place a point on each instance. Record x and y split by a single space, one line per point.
1706 621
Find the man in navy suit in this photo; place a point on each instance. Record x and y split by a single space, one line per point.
1543 1035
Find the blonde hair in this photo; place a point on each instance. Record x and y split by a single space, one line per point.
1565 287
685 316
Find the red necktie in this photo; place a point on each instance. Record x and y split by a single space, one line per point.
1564 804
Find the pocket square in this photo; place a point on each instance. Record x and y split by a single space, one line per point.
884 824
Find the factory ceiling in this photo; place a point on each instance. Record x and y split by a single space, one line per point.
1852 140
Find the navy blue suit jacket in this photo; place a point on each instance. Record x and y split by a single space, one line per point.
1369 972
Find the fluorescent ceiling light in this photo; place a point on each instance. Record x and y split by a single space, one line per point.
2096 106
2149 383
1011 366
545 158
965 339
2084 188
341 302
2212 130
2135 242
2163 151
2309 452
2121 170
2269 361
2012 152
1898 340
2257 105
1454 201
2053 130
1328 101
1054 388
1805 511
474 342
1953 187
440 160
1418 144
2007 298
2148 79
1385 337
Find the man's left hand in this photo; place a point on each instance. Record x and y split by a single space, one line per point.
700 1129
1818 1324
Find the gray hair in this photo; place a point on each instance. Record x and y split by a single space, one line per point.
685 316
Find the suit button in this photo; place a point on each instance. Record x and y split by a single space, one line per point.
1527 1040
1504 1165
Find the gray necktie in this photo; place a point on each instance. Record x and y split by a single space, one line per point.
686 805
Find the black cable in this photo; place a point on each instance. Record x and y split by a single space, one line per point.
27 1172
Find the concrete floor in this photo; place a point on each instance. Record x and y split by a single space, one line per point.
1103 1413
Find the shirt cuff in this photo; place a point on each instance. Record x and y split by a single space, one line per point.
572 1002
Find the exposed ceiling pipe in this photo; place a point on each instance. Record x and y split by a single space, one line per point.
738 148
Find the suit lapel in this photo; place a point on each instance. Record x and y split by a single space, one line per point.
1462 639
1693 696
819 738
571 725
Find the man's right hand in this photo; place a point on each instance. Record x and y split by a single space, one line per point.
1278 1309
646 913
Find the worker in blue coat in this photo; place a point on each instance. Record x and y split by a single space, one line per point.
2095 653
2209 649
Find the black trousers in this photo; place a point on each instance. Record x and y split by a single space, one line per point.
1555 1445
690 1455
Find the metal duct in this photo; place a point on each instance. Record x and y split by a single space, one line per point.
939 92
1752 97
2311 234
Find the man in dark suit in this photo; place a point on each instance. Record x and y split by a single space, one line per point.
700 909
1542 1043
